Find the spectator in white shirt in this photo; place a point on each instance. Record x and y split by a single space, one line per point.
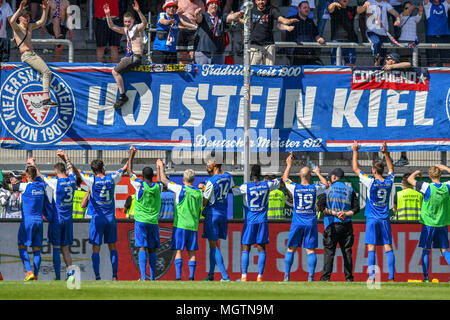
377 25
408 26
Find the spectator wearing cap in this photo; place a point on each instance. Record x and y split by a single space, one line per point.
263 17
186 11
211 32
305 30
167 26
338 204
392 62
11 201
436 14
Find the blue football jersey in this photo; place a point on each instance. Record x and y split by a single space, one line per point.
62 191
33 194
378 195
256 199
305 197
102 193
216 191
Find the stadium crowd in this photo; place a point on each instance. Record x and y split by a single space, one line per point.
199 30
55 198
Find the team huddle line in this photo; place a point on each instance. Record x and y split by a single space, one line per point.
52 198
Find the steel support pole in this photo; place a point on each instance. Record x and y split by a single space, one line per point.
85 157
149 36
248 5
91 20
444 158
339 56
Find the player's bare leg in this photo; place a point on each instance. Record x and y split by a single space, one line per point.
67 257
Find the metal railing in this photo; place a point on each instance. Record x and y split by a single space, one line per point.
56 41
340 45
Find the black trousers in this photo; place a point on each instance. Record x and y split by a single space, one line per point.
342 234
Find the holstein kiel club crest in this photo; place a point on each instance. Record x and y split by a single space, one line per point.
164 255
33 105
22 112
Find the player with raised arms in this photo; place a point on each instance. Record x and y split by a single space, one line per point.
31 226
61 189
435 214
103 226
256 228
146 211
378 225
215 201
303 231
188 205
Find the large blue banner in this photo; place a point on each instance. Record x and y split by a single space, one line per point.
196 107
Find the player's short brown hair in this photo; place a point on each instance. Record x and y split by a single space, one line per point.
31 171
97 166
60 167
405 180
378 166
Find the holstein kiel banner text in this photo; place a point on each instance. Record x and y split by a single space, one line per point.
197 107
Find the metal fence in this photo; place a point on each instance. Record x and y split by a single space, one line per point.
68 43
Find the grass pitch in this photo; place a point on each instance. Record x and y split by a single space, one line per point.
198 290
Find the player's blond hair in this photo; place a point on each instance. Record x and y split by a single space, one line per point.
189 175
434 172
